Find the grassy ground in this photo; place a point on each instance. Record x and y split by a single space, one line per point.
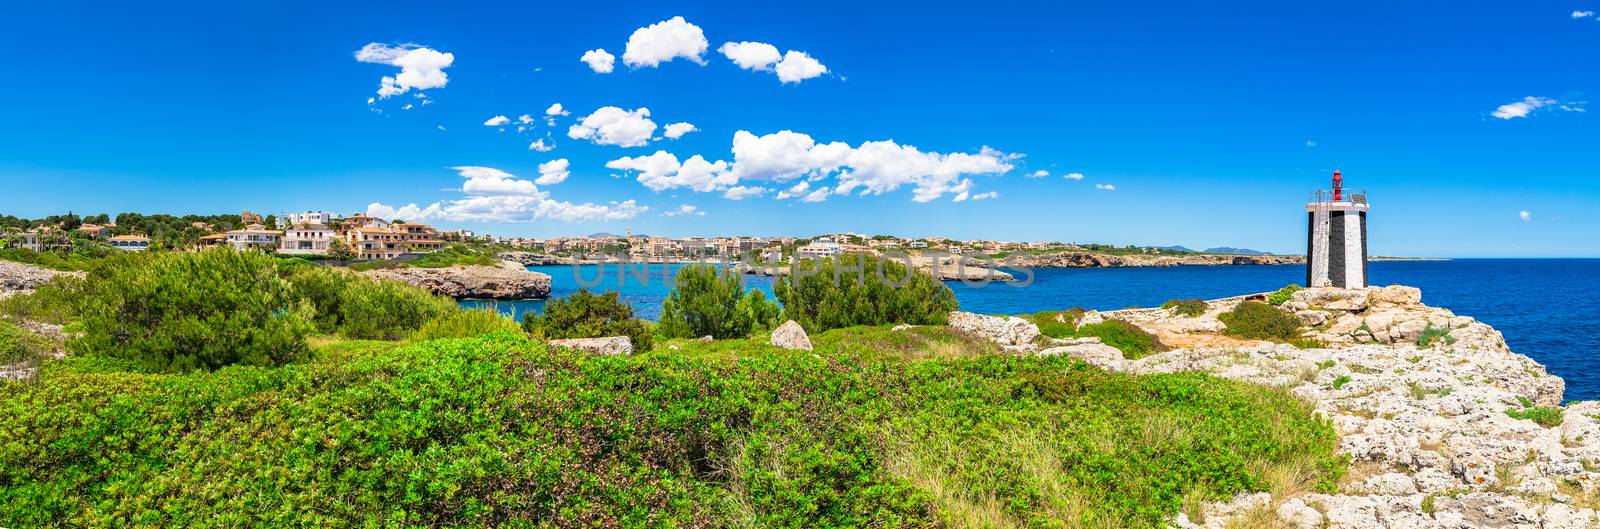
879 428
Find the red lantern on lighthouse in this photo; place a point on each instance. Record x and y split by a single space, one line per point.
1338 186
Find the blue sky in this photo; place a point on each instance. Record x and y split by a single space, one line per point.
1212 122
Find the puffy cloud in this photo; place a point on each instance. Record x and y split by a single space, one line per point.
556 110
797 66
525 119
795 190
497 196
986 196
540 146
615 126
664 41
1073 176
421 68
743 192
552 172
497 121
677 130
1525 215
685 209
751 55
1528 105
1105 187
1039 174
791 67
599 60
874 167
661 171
1582 14
819 195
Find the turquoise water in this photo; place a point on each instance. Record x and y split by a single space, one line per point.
1548 309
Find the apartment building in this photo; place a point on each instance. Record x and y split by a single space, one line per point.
130 243
307 239
254 236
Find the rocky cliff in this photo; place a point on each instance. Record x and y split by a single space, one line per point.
1100 260
506 282
1435 412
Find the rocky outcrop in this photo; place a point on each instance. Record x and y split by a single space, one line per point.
608 346
791 336
1100 260
17 277
1427 427
532 259
1008 331
472 282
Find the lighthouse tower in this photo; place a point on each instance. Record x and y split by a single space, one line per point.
1336 237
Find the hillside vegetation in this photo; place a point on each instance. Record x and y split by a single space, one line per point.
873 428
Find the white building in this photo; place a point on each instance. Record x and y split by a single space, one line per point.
819 249
253 236
323 218
1336 237
307 239
130 243
30 241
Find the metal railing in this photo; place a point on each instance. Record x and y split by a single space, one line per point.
1325 196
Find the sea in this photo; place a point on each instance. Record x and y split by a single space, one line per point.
1548 309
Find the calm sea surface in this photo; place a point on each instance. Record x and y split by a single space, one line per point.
1548 309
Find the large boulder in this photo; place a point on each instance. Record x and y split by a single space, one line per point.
1009 331
1394 296
791 336
1330 298
472 282
608 346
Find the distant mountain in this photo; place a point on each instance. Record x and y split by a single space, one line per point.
1174 248
1236 251
600 234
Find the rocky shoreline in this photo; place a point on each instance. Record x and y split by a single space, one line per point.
1438 434
507 282
1100 260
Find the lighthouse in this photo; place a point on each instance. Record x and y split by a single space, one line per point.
1336 237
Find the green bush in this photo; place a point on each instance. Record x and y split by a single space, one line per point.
1435 334
1057 324
1134 342
861 296
1545 416
19 347
466 324
1260 321
1188 307
706 302
361 307
1283 295
583 314
182 311
498 431
51 260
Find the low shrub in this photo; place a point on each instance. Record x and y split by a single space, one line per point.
466 324
357 306
708 302
1283 295
1545 416
1057 324
1135 343
180 311
1260 321
51 260
57 302
850 290
1190 307
1433 334
583 314
19 347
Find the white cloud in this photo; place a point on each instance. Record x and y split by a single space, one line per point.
677 130
1582 14
525 119
661 171
795 190
1073 176
599 60
685 209
556 110
1528 105
1525 215
1105 187
874 167
421 68
664 41
552 172
615 126
986 196
497 121
751 55
1039 174
540 146
797 66
743 192
819 195
497 196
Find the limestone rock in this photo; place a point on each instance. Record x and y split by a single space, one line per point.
608 346
791 336
16 277
1009 331
1394 296
1096 353
472 282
